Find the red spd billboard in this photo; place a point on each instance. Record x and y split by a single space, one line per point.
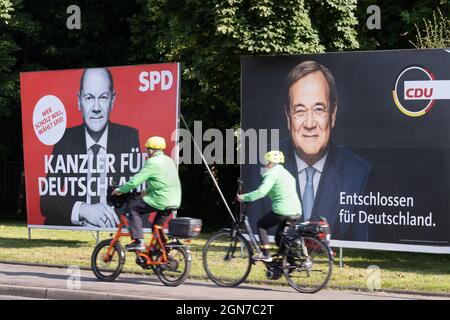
84 129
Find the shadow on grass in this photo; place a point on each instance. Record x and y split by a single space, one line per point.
20 243
421 263
12 222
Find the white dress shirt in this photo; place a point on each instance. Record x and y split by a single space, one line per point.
301 170
102 168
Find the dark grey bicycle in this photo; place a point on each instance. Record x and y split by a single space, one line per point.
303 255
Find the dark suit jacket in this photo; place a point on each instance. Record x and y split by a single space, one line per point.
121 139
343 171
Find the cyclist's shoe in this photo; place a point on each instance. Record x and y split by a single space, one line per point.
262 257
136 245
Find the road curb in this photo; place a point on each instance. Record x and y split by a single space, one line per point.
62 294
356 289
28 292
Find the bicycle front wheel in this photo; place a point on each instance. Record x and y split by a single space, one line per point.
107 267
308 274
176 270
227 259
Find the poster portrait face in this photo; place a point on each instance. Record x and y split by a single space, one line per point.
309 116
96 98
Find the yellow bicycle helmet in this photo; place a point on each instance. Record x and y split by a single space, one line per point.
158 143
274 156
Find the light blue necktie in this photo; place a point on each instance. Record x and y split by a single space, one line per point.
308 194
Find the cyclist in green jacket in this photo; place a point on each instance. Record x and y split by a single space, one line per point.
280 186
163 189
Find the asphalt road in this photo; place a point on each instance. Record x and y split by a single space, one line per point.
55 283
15 298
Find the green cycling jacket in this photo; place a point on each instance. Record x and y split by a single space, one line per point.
280 186
163 184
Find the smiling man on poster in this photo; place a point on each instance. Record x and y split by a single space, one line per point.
322 167
95 147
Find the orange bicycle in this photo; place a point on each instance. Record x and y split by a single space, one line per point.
170 261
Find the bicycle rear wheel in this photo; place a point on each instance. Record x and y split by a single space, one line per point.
227 259
176 270
107 268
308 275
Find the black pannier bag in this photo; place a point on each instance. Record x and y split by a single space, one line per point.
315 228
185 227
119 202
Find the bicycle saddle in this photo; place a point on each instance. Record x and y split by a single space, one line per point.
292 219
169 209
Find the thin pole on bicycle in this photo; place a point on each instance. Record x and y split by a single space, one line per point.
96 236
207 167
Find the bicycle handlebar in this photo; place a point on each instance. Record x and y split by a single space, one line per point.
119 201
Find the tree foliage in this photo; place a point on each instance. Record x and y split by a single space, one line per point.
8 80
435 32
6 8
336 23
266 27
398 22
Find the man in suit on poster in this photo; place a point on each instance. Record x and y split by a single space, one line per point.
100 141
323 168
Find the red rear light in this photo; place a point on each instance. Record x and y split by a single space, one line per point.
197 229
